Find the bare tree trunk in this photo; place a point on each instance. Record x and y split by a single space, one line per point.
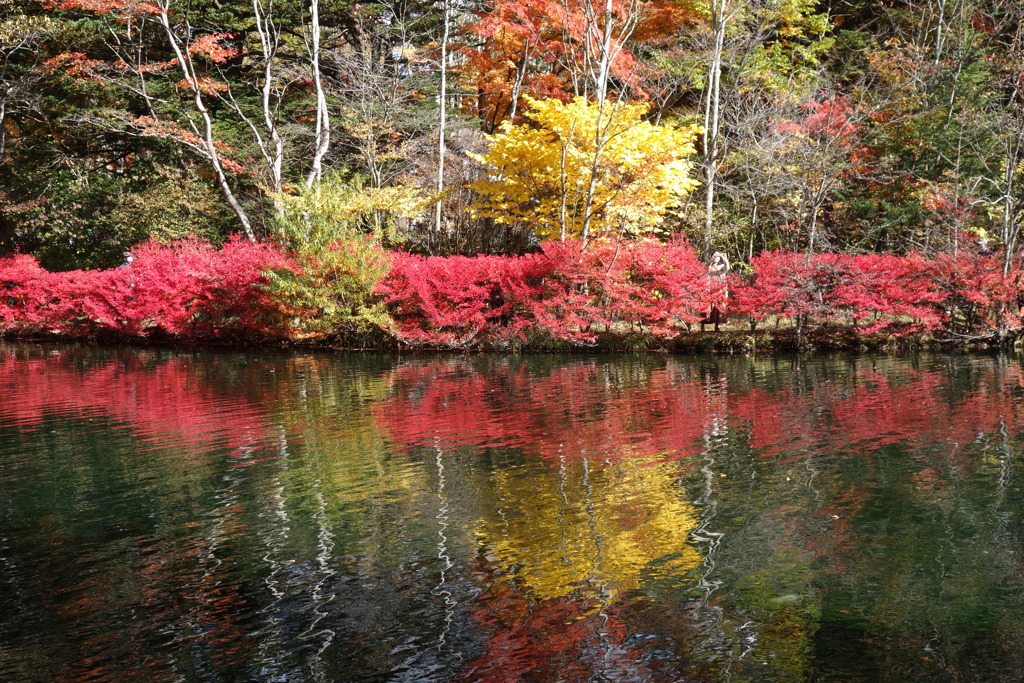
812 230
269 41
188 70
443 118
606 54
273 153
712 108
323 121
563 216
600 94
605 62
753 229
517 87
939 37
1010 227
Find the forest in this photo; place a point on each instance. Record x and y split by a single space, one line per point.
458 173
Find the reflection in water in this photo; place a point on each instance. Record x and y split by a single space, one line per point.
172 516
602 528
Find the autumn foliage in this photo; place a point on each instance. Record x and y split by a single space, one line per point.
873 291
563 295
585 168
532 48
186 290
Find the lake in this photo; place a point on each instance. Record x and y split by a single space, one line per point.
225 516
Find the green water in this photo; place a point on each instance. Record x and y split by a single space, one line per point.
288 517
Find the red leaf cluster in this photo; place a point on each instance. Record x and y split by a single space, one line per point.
188 290
975 289
899 294
204 84
561 293
76 65
535 47
147 125
825 121
214 47
124 8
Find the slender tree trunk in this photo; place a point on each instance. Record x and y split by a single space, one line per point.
602 43
3 128
443 117
1011 210
588 213
563 212
600 129
188 70
753 229
812 231
323 120
604 64
939 35
269 40
712 108
517 87
1012 191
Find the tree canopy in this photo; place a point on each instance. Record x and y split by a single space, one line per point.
809 125
585 165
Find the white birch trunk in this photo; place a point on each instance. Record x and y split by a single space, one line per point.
322 141
443 117
269 39
188 70
712 108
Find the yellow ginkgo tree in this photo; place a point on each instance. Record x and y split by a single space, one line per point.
585 169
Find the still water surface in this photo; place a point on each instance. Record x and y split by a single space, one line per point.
240 516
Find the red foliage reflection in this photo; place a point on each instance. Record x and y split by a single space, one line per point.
574 410
166 403
590 409
549 639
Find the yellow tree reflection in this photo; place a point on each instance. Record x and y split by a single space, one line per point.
582 527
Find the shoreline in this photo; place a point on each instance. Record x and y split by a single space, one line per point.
723 342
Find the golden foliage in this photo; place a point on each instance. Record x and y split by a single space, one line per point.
583 160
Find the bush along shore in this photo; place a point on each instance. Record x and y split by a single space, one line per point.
611 296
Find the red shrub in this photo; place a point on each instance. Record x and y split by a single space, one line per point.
656 286
562 292
897 293
976 292
187 289
191 290
457 300
890 288
788 285
23 292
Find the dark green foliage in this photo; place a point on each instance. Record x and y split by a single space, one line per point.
88 218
